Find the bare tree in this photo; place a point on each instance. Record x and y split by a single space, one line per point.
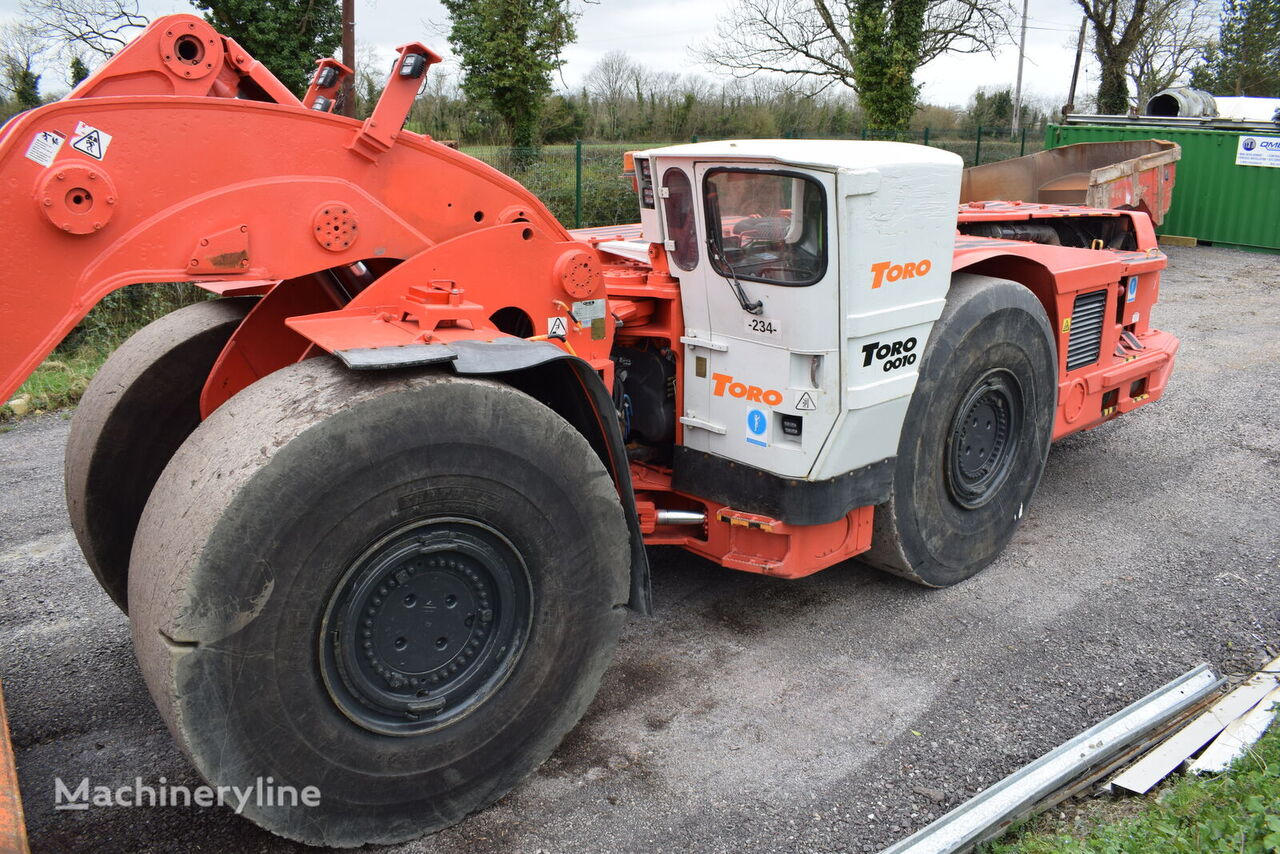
101 26
871 46
611 82
1170 47
663 85
1119 26
439 100
372 69
610 79
21 50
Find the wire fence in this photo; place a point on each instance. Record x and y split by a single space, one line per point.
976 146
583 185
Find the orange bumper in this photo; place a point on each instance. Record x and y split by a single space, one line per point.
1093 397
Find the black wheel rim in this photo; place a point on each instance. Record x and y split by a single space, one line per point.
984 438
425 626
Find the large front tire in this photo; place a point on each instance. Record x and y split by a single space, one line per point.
976 435
402 591
141 405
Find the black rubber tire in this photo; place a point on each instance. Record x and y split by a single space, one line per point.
140 406
990 328
251 529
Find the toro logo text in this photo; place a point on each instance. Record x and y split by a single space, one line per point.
892 355
888 271
725 383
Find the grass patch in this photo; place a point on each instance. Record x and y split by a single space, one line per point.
61 379
550 173
1237 812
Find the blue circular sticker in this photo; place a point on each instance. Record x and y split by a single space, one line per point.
756 422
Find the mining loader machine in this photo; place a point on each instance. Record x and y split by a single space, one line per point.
378 510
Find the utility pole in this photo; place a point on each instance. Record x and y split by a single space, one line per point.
1017 92
349 57
1070 106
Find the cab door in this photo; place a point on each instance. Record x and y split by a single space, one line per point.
762 371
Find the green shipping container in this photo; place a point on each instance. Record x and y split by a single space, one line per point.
1214 200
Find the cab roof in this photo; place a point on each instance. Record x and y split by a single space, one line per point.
814 153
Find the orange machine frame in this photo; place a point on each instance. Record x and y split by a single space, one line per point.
364 237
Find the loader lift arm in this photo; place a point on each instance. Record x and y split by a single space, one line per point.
207 170
197 184
489 485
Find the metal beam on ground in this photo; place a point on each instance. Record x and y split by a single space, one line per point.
1239 735
1159 763
989 812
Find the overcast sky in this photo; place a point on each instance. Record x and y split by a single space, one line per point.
660 33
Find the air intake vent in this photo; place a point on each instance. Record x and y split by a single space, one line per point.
1086 329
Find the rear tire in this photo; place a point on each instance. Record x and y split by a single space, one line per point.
976 435
141 405
403 591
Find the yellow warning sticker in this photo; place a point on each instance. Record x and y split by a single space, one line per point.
1066 325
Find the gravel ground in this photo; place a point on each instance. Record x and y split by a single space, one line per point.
836 713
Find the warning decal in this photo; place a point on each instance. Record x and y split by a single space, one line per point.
45 146
805 403
91 141
557 327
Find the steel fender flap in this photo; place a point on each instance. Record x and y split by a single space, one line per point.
467 356
520 362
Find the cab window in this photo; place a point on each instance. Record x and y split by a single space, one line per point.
766 226
678 207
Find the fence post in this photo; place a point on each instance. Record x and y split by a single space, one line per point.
977 149
926 136
577 185
864 131
1022 149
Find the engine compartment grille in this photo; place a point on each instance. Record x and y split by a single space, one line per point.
1085 343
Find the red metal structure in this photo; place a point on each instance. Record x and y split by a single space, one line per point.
375 513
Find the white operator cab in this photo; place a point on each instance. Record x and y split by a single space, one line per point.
811 273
